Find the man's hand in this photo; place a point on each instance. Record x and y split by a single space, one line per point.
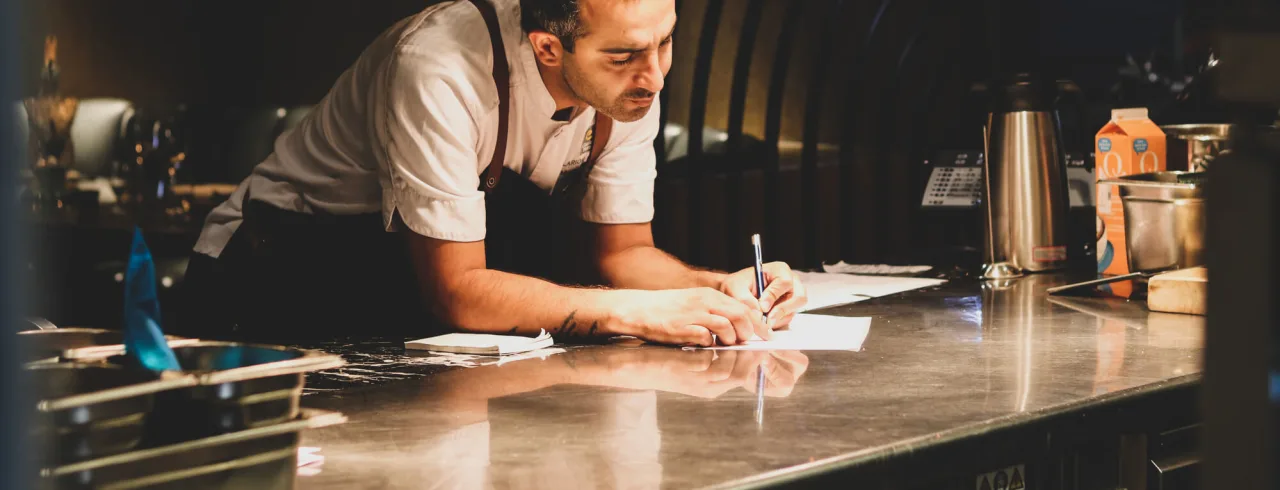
684 317
704 374
783 294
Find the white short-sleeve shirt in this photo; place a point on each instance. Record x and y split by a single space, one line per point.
413 123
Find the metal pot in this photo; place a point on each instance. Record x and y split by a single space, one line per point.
1164 219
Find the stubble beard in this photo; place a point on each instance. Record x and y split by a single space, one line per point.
616 108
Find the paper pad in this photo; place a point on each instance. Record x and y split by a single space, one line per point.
827 289
813 332
475 343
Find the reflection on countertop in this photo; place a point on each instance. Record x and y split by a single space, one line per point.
938 364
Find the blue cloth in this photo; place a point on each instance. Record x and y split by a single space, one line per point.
143 340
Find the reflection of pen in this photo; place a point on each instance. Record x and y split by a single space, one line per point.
760 397
755 244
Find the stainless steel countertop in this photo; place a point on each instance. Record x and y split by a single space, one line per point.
938 364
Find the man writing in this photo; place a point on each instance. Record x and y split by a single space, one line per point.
454 120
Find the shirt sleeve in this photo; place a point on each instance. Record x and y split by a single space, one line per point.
426 141
620 187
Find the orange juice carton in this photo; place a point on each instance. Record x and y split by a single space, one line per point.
1129 144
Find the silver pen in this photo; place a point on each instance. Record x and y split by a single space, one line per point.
759 265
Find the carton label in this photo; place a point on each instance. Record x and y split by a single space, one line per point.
1049 254
1111 166
1113 254
1129 144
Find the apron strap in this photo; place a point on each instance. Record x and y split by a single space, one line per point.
502 77
599 137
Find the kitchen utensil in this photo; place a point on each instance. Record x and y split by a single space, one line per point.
260 458
1098 282
1164 224
1201 143
1026 195
92 410
76 343
240 386
1164 219
1180 291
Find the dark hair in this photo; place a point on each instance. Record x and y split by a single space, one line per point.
558 17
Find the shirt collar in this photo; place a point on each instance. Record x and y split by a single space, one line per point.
534 88
537 90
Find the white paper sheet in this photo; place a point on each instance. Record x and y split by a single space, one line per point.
484 344
828 289
813 332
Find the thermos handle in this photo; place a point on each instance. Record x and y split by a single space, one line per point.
1068 89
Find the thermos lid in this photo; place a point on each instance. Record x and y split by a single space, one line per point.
1023 92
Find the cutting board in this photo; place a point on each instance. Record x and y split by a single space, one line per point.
1180 291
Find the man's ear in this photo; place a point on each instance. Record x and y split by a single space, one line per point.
547 47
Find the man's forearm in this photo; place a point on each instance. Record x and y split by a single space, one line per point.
491 301
647 267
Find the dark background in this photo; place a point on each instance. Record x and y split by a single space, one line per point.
287 52
857 94
267 53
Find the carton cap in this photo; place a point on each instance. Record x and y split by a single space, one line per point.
1129 114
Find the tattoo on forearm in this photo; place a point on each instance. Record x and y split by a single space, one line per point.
513 329
568 329
567 326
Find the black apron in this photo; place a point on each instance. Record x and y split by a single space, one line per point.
288 277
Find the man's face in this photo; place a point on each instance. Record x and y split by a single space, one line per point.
619 65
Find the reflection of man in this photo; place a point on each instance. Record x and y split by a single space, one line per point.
561 441
557 436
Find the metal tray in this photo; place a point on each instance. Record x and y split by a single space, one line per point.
239 386
57 344
92 410
259 458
